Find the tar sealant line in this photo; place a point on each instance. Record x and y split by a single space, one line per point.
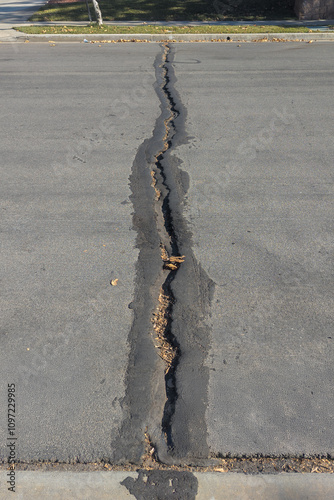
150 380
165 341
179 321
169 310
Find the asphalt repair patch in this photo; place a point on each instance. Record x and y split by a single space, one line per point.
162 484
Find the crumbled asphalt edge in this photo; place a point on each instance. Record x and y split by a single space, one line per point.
182 432
168 240
192 290
247 465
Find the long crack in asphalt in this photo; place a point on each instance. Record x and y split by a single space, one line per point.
169 308
151 386
169 349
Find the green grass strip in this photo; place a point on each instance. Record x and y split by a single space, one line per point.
149 29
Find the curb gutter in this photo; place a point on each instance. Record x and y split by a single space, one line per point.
224 37
31 485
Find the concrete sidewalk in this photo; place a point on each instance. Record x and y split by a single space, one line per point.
14 12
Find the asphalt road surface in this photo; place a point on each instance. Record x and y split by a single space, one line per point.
260 209
118 160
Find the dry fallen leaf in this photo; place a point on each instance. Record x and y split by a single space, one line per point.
177 259
114 282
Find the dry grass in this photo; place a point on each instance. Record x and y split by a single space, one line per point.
251 465
248 465
160 322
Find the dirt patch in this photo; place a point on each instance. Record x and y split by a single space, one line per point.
247 465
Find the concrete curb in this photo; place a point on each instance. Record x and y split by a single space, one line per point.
10 35
119 485
297 37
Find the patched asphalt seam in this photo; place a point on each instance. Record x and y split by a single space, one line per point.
166 395
151 393
191 292
167 344
182 333
144 399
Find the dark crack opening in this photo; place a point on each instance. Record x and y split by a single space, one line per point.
170 253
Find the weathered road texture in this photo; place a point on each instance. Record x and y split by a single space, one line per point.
260 209
177 326
73 118
167 251
95 237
